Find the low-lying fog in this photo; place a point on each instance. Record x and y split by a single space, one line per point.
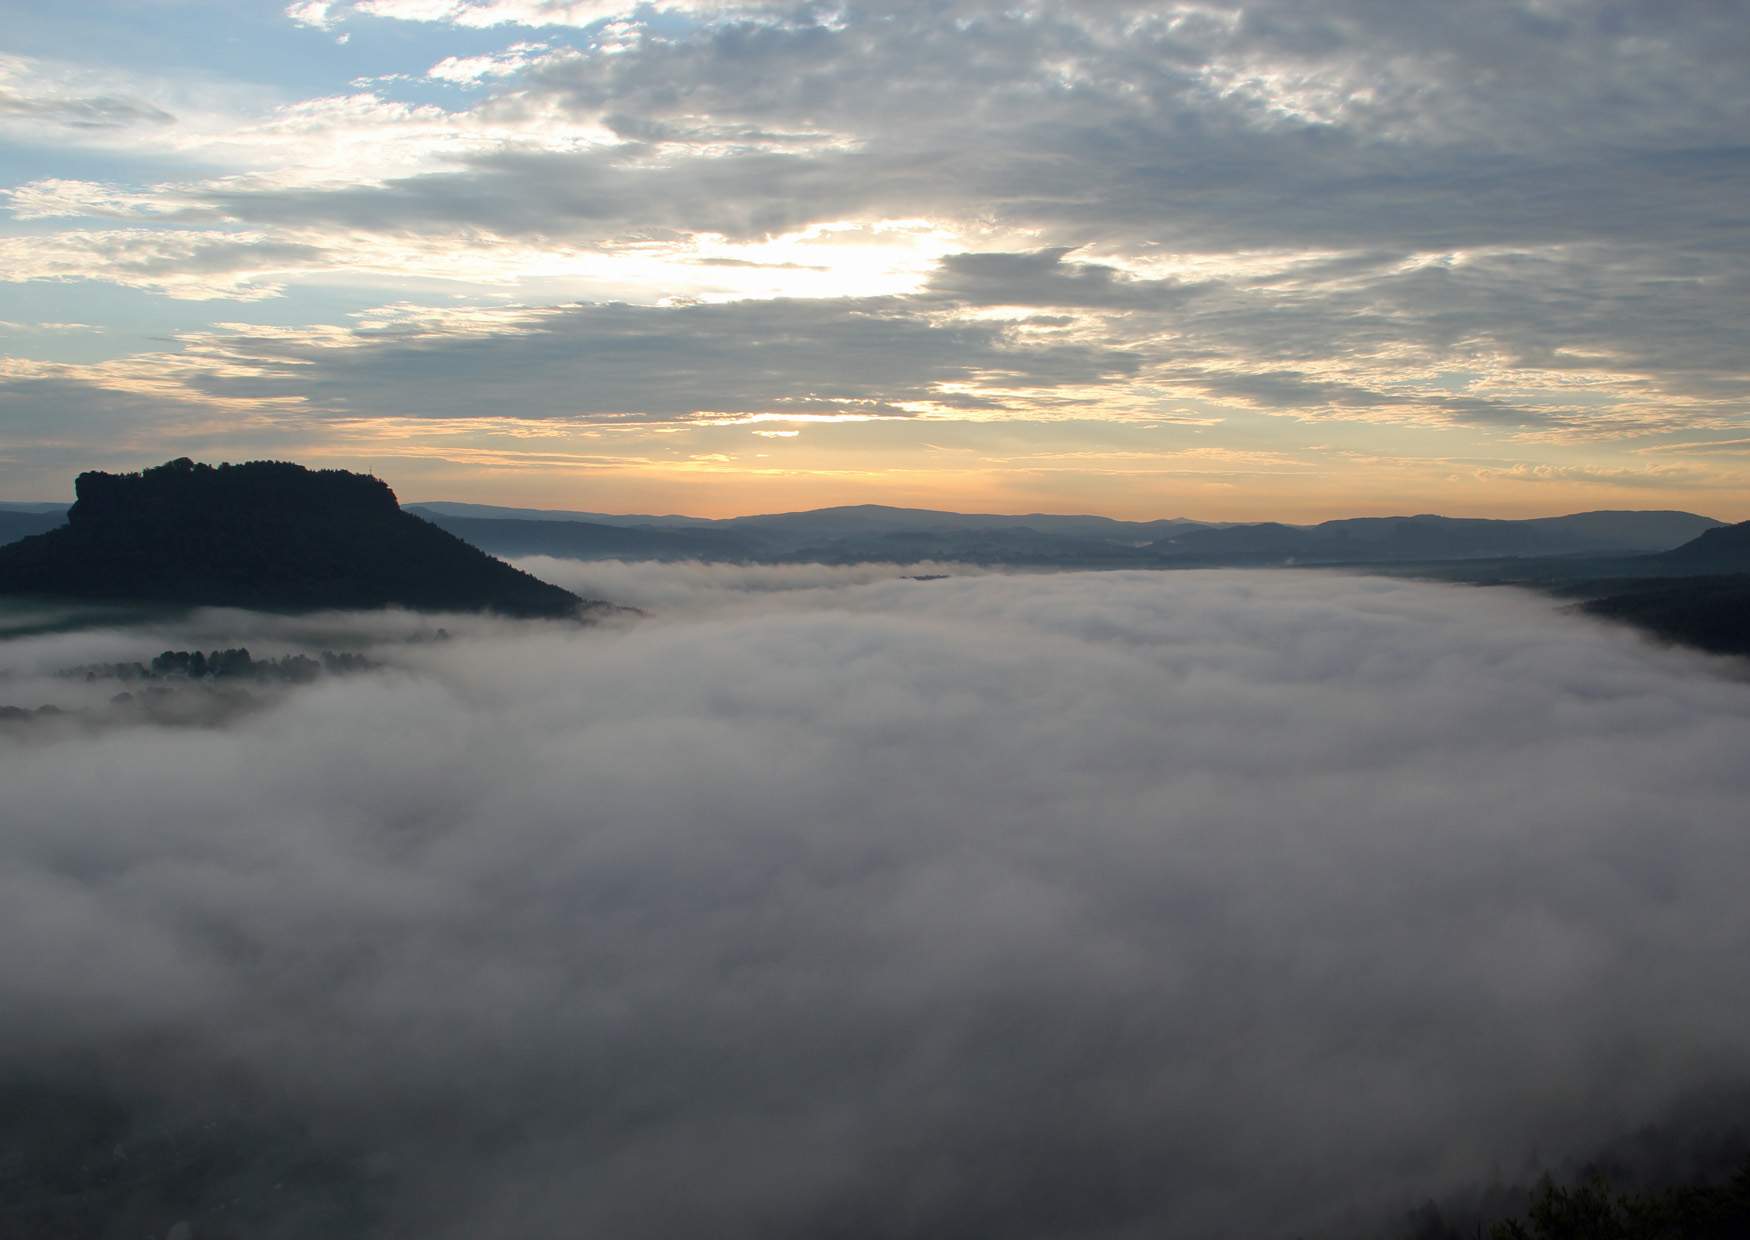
834 903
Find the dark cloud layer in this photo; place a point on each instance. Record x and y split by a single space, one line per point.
822 904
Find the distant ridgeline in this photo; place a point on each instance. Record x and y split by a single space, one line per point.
873 533
266 534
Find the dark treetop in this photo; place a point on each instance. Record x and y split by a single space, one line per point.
266 534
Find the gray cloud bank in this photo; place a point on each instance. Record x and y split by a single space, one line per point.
831 903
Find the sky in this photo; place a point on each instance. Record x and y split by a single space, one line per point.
824 901
1270 260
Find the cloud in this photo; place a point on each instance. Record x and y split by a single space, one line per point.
88 112
698 591
777 359
1520 225
1074 906
1659 476
1519 206
316 13
184 263
485 13
1706 447
472 70
7 325
1043 278
35 93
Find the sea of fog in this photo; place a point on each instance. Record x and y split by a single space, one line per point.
835 903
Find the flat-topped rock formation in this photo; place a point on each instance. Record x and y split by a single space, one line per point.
266 534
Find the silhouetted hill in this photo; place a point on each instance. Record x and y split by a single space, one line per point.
848 534
881 520
584 540
1428 537
266 534
1628 530
15 524
1725 547
1697 595
869 532
449 508
1710 613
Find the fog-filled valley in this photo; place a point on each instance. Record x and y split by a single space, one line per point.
860 902
886 620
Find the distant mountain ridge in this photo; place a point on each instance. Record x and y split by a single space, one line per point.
840 518
1430 537
17 523
265 534
497 512
868 532
584 540
864 532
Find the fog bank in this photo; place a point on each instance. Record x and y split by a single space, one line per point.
828 902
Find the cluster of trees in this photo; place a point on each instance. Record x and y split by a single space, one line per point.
234 664
1592 1207
1594 1210
1710 613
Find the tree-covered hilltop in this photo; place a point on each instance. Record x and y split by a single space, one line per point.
266 534
1594 1209
1593 1206
1709 613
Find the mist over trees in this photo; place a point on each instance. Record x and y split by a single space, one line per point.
1076 905
233 664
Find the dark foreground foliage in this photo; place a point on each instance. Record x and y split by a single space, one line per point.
1607 1200
1594 1210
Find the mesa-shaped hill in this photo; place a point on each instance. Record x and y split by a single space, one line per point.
270 535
